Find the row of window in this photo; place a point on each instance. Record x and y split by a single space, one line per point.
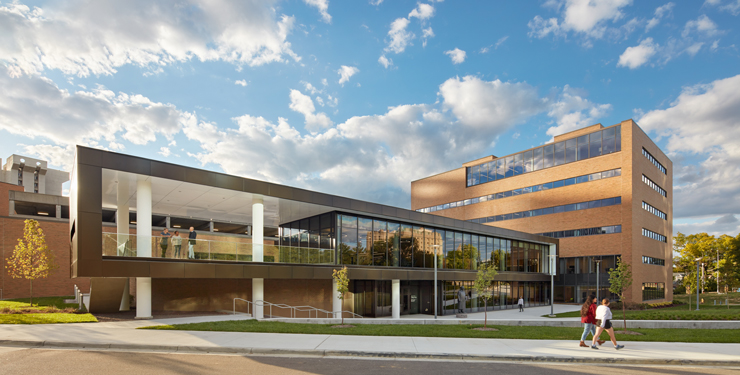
551 210
656 236
654 186
583 232
654 211
588 265
651 260
365 241
526 190
653 291
584 147
654 161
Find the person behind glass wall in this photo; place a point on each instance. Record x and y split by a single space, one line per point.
177 243
521 304
588 318
461 298
604 323
191 243
164 241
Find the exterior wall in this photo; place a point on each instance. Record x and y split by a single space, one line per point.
50 180
630 244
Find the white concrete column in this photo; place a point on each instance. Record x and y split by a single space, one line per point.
122 229
258 227
396 298
336 303
258 295
144 245
143 297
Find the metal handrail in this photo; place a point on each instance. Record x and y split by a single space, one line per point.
293 309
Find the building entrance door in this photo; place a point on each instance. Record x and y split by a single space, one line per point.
410 299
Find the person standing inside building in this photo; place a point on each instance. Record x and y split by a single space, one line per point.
521 304
461 297
177 243
164 241
604 323
588 318
191 243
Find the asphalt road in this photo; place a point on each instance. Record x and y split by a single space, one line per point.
21 361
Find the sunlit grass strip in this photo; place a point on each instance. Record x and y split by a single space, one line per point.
46 318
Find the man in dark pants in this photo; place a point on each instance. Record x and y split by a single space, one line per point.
461 297
164 241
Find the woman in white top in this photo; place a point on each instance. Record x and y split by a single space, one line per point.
604 323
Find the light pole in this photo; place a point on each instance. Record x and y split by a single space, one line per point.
598 269
718 270
697 283
435 280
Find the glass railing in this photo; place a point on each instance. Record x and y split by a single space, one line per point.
229 249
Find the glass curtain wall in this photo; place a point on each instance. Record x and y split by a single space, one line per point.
312 238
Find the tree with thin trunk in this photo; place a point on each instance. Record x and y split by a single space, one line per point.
31 259
340 276
482 286
620 279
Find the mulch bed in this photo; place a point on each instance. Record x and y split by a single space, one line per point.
131 315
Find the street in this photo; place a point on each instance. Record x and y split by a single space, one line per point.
22 361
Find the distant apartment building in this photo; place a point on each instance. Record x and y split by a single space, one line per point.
604 192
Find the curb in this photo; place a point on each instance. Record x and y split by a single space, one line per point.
361 354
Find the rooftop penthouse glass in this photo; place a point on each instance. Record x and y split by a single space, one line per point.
587 146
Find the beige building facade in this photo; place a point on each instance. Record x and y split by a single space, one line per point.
604 192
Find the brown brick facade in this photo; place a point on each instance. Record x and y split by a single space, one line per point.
450 186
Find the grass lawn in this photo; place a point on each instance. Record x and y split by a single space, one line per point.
708 298
504 332
42 303
680 312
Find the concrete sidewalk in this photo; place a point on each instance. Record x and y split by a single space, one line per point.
125 336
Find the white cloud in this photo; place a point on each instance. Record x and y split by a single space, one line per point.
164 151
34 107
573 111
323 7
345 72
727 224
423 12
78 37
426 34
714 45
241 82
386 62
457 55
501 41
376 2
703 25
588 18
400 38
311 88
694 48
304 105
117 146
634 57
659 13
732 6
703 122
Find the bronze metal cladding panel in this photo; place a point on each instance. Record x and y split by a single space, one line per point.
229 271
323 273
280 191
417 216
358 205
256 187
280 272
373 274
167 270
106 294
358 274
403 214
89 267
89 188
340 202
89 234
228 182
375 208
303 272
89 156
169 171
125 268
126 163
389 211
322 199
390 274
253 271
422 275
200 271
302 195
199 176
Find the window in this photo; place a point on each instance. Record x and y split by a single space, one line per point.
500 169
518 169
583 147
510 166
527 162
537 159
554 210
653 291
651 260
559 153
654 211
595 145
570 150
548 156
584 232
656 236
654 161
654 186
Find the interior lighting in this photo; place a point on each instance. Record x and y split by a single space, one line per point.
176 226
43 213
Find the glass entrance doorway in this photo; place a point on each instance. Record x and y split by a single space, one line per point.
410 299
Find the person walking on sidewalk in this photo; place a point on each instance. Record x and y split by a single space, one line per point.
604 323
521 304
588 318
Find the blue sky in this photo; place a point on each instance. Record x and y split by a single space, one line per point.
359 98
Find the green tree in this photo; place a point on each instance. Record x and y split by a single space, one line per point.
31 259
620 279
482 286
340 276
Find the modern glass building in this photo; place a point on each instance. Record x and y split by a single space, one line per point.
259 241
